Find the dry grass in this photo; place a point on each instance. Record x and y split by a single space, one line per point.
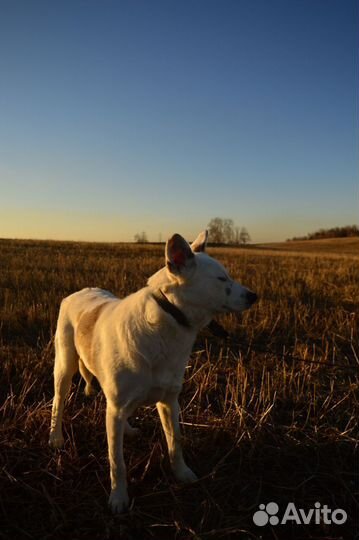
268 415
327 246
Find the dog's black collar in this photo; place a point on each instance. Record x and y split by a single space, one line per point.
170 308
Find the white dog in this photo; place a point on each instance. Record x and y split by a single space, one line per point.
138 347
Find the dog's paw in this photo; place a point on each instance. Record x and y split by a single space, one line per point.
118 501
56 440
185 475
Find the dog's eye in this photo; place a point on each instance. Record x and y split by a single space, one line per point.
222 278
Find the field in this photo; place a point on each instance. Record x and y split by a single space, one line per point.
334 246
268 414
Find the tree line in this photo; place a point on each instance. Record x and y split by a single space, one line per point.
334 232
220 231
224 231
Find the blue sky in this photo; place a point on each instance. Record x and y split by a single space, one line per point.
125 116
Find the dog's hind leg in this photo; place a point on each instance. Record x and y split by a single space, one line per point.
87 376
66 365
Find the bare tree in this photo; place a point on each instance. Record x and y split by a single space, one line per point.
228 231
215 231
141 238
223 231
244 237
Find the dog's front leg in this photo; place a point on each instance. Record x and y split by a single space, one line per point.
115 425
168 410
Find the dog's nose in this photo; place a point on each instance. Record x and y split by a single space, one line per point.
251 297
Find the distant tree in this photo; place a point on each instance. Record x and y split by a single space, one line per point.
334 232
215 231
223 231
141 238
244 237
228 231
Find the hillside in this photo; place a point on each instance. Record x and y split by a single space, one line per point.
339 246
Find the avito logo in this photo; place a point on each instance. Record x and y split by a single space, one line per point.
267 513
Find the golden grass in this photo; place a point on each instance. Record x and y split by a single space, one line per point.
269 414
335 246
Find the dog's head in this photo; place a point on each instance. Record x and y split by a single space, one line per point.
204 281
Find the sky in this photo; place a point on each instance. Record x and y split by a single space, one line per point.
118 117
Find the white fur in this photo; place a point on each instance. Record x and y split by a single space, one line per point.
138 352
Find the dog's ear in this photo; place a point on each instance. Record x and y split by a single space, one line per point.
200 243
179 255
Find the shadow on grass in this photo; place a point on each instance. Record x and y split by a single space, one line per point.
63 494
